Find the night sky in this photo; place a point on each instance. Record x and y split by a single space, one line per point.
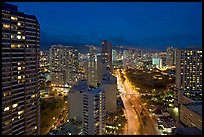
153 25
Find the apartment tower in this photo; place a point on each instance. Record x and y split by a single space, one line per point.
171 56
63 61
91 67
188 72
20 72
106 53
87 104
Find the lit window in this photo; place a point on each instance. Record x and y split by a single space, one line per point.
19 77
14 18
19 117
18 37
19 32
14 105
6 26
7 94
23 37
6 108
19 24
13 36
7 122
32 96
19 68
20 112
13 119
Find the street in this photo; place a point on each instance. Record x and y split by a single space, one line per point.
136 113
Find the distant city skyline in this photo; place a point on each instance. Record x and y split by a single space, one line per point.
150 25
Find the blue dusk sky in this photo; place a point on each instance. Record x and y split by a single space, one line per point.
150 25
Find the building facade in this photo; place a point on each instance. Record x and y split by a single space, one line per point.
44 61
20 72
91 67
106 53
157 62
189 85
170 56
109 85
88 106
189 70
63 63
191 114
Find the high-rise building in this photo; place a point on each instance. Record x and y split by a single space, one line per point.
91 67
106 53
109 86
44 61
157 62
188 93
114 55
189 71
88 106
63 65
171 56
102 68
108 83
20 72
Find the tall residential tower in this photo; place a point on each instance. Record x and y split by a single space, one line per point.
20 72
63 63
107 53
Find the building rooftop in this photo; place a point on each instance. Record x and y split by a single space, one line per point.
82 86
196 107
193 95
14 10
186 131
68 129
109 79
11 7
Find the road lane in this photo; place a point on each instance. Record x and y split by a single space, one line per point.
132 119
133 108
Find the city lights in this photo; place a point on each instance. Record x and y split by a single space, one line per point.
116 73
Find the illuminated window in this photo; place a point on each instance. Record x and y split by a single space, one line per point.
13 36
23 37
19 77
19 117
32 96
19 45
19 32
6 108
14 105
19 68
7 94
19 24
7 122
6 26
18 37
20 112
14 18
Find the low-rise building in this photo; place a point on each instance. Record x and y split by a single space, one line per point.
191 114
